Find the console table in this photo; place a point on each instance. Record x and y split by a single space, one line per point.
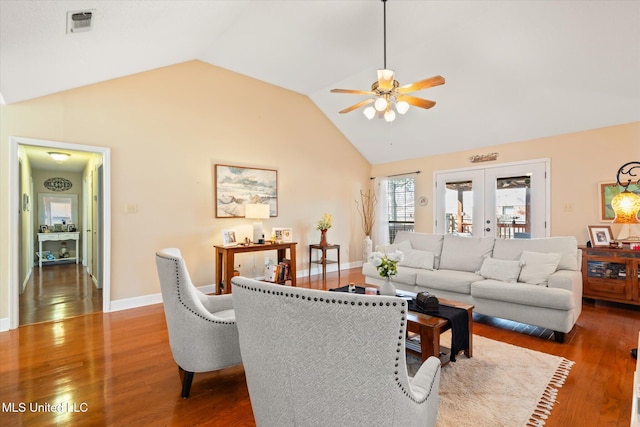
225 261
45 237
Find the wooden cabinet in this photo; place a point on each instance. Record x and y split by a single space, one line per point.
611 274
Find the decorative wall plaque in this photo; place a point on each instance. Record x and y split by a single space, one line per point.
58 184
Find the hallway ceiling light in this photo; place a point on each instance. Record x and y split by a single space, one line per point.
59 157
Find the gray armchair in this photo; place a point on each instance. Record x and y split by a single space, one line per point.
202 329
318 358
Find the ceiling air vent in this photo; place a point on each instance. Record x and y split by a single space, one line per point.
78 22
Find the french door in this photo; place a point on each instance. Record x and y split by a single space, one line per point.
506 201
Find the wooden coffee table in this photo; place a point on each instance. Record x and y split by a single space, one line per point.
429 329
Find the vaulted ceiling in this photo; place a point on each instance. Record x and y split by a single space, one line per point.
514 70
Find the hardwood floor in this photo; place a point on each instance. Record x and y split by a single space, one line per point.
56 292
117 369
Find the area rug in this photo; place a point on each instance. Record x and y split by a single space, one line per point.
500 386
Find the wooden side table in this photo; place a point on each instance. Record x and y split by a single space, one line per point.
323 260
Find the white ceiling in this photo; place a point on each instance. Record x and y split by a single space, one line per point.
514 70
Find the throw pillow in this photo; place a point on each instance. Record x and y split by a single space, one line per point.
538 266
500 269
401 246
417 259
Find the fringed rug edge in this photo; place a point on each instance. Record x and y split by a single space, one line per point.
548 399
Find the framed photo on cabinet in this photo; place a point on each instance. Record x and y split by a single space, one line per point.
600 235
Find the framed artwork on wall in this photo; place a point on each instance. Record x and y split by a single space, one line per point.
607 191
600 235
237 186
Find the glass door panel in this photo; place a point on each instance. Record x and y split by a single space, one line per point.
459 207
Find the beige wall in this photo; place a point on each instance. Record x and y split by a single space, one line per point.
166 129
579 161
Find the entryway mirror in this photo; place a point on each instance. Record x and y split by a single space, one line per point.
57 209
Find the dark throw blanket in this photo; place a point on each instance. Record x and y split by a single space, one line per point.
458 319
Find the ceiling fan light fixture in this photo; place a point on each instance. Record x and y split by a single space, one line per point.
402 107
369 112
380 104
386 94
385 80
390 115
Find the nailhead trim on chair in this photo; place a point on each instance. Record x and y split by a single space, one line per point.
366 304
177 264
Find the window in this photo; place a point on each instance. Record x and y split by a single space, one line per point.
57 209
401 205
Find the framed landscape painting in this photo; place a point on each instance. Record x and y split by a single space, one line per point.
608 190
237 186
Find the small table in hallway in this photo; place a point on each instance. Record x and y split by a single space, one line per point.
323 260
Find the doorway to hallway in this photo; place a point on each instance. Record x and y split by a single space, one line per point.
59 290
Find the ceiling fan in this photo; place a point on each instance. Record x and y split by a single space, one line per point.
386 92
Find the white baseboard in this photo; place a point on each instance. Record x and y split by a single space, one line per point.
317 269
136 302
4 324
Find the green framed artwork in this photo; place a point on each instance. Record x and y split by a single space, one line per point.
608 190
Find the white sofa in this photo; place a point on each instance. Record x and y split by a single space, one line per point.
533 281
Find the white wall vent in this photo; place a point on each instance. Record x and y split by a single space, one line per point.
80 21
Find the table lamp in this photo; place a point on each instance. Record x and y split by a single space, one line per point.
626 205
256 211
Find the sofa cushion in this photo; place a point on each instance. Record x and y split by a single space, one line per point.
465 253
500 269
523 293
447 280
538 266
417 259
567 246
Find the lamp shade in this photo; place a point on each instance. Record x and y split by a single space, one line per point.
626 206
256 211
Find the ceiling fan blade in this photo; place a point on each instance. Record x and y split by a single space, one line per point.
356 106
417 102
357 92
422 84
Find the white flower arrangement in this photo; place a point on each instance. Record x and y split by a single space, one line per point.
385 263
